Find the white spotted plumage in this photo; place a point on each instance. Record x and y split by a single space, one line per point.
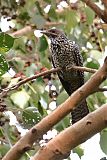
65 54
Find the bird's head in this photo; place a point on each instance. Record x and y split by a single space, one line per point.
53 33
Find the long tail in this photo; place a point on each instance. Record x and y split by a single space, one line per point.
80 111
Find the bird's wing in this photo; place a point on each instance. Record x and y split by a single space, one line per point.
79 62
71 86
65 84
77 55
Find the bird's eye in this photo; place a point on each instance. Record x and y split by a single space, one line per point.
53 31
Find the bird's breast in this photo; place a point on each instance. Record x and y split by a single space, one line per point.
62 56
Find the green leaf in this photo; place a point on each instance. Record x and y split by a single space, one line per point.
90 103
39 8
24 16
1 132
40 109
52 13
43 44
3 65
6 42
90 14
63 124
45 96
93 64
96 54
103 141
31 115
48 1
39 87
62 97
4 149
30 70
38 20
13 81
20 98
71 19
59 126
19 44
79 151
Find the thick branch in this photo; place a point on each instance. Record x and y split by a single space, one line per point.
59 147
101 13
6 90
94 7
35 133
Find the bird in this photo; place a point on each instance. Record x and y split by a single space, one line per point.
65 54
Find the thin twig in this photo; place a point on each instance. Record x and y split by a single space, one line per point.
103 26
31 28
84 69
49 24
101 89
22 31
3 141
53 70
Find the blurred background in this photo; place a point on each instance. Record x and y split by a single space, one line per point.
24 52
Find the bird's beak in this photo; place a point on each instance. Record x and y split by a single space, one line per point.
45 32
48 33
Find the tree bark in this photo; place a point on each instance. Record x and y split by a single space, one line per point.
36 133
60 147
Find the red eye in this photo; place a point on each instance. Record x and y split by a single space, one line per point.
53 31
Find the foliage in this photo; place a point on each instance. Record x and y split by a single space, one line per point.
27 55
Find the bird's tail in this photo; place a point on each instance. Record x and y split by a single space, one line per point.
80 111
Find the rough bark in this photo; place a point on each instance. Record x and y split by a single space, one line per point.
36 133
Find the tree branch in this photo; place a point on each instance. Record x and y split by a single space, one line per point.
103 26
105 3
3 140
60 147
22 31
101 13
101 89
36 133
53 70
31 28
